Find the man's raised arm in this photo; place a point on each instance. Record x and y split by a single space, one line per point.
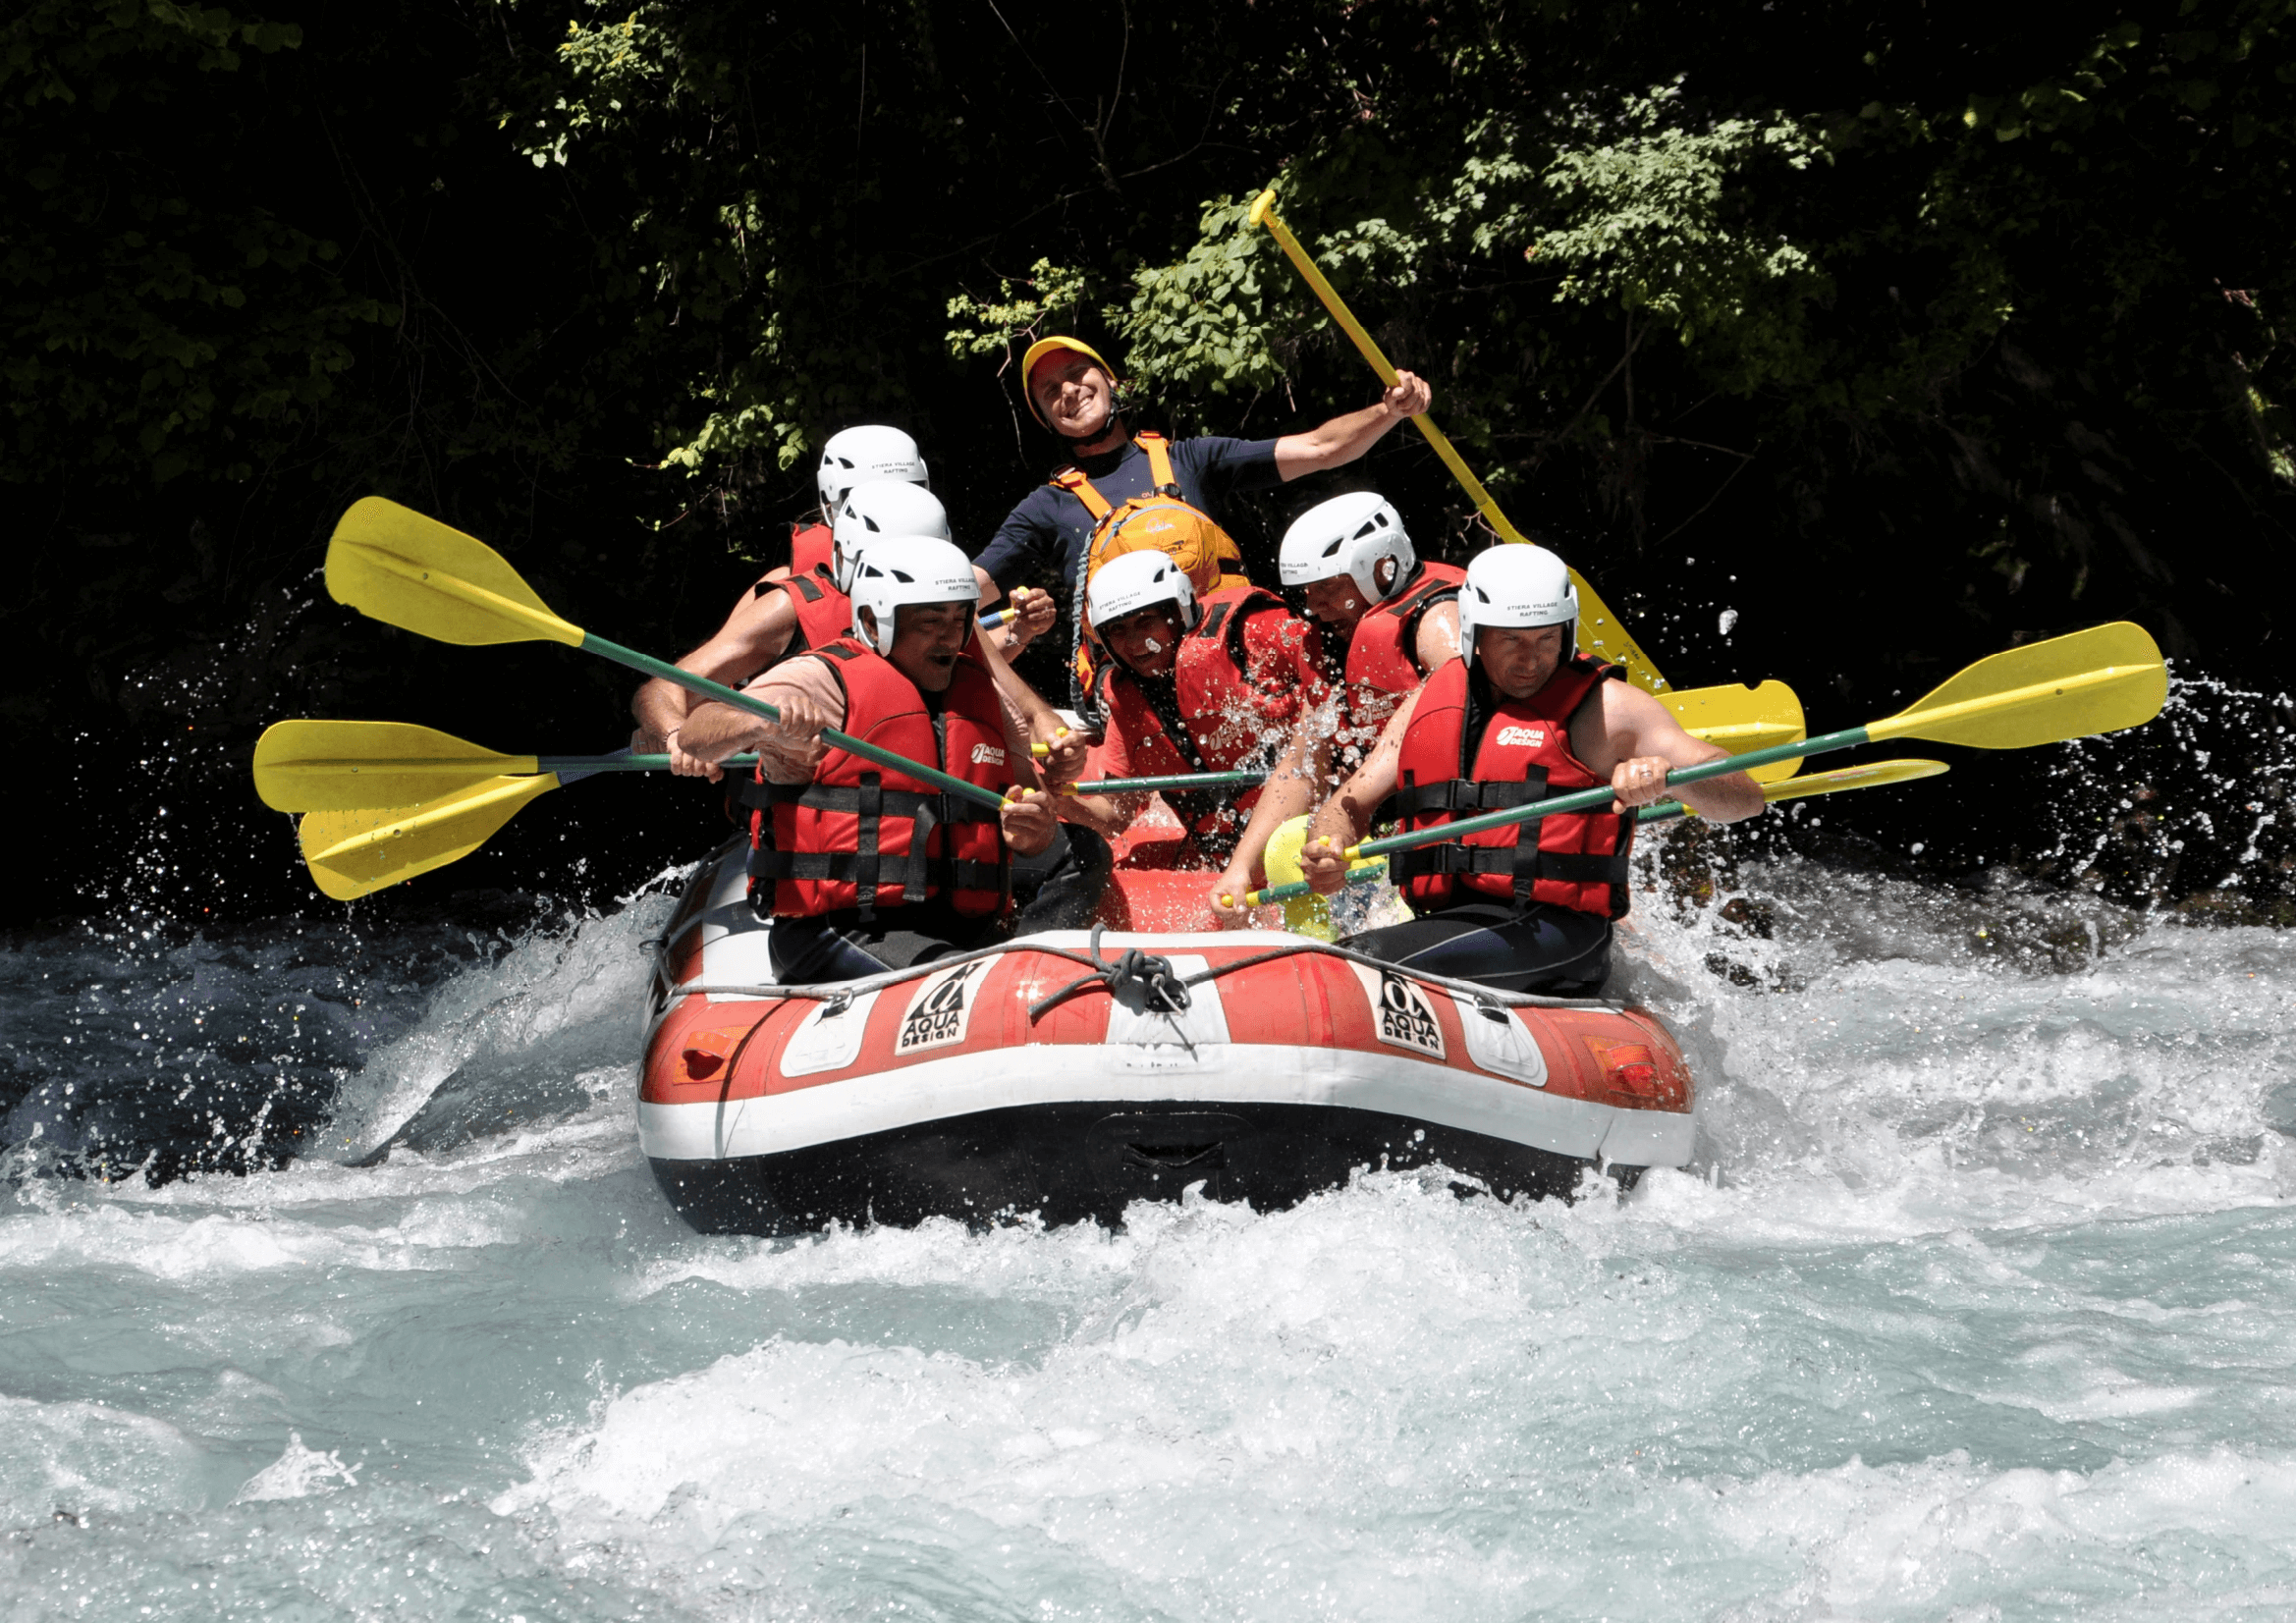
1343 439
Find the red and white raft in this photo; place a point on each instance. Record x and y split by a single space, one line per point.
961 1089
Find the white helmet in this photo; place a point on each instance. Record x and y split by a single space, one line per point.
880 508
1134 580
1513 584
907 569
1348 535
855 456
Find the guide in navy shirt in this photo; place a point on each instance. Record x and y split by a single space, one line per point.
1046 534
1073 392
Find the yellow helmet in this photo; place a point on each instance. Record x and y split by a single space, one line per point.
1046 345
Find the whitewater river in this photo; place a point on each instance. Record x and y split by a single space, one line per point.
1979 1304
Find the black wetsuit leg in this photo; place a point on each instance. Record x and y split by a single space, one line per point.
1060 888
841 947
1534 948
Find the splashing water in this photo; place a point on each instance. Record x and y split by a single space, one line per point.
1975 1305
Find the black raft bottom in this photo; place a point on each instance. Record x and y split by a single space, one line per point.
1070 1162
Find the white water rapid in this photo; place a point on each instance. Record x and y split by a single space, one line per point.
1981 1304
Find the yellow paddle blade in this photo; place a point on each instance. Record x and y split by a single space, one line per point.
1872 775
393 565
354 852
343 766
1741 719
2093 682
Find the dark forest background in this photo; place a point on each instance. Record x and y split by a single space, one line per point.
1837 342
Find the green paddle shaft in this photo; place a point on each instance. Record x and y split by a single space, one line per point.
1183 780
592 643
563 764
1584 800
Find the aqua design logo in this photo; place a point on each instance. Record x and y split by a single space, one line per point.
940 1013
1402 1011
1522 738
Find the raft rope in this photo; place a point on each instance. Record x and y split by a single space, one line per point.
1159 987
843 992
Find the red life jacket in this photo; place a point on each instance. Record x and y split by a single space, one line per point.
1208 716
824 614
864 836
1382 655
811 547
1468 751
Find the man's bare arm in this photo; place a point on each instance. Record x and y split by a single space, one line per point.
1289 791
1437 643
1108 815
1043 725
1633 727
753 636
809 699
1343 439
1346 818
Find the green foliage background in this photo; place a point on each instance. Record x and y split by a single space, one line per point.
1902 330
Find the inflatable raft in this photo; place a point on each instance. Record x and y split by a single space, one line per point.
1068 1075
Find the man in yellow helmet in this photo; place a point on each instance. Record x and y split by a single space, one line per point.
1072 391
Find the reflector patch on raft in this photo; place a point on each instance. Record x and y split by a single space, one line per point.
940 1011
1401 1011
829 1039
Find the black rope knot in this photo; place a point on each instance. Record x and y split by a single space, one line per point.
1140 981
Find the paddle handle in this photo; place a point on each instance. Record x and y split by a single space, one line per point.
1584 800
592 643
990 622
1372 874
1183 780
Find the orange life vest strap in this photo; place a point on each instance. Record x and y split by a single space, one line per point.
1159 460
1072 481
1160 475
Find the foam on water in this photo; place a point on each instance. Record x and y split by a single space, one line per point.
1976 1305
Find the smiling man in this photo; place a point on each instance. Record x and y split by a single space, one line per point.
1516 718
1074 393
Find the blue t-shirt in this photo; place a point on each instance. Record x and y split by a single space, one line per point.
1048 531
